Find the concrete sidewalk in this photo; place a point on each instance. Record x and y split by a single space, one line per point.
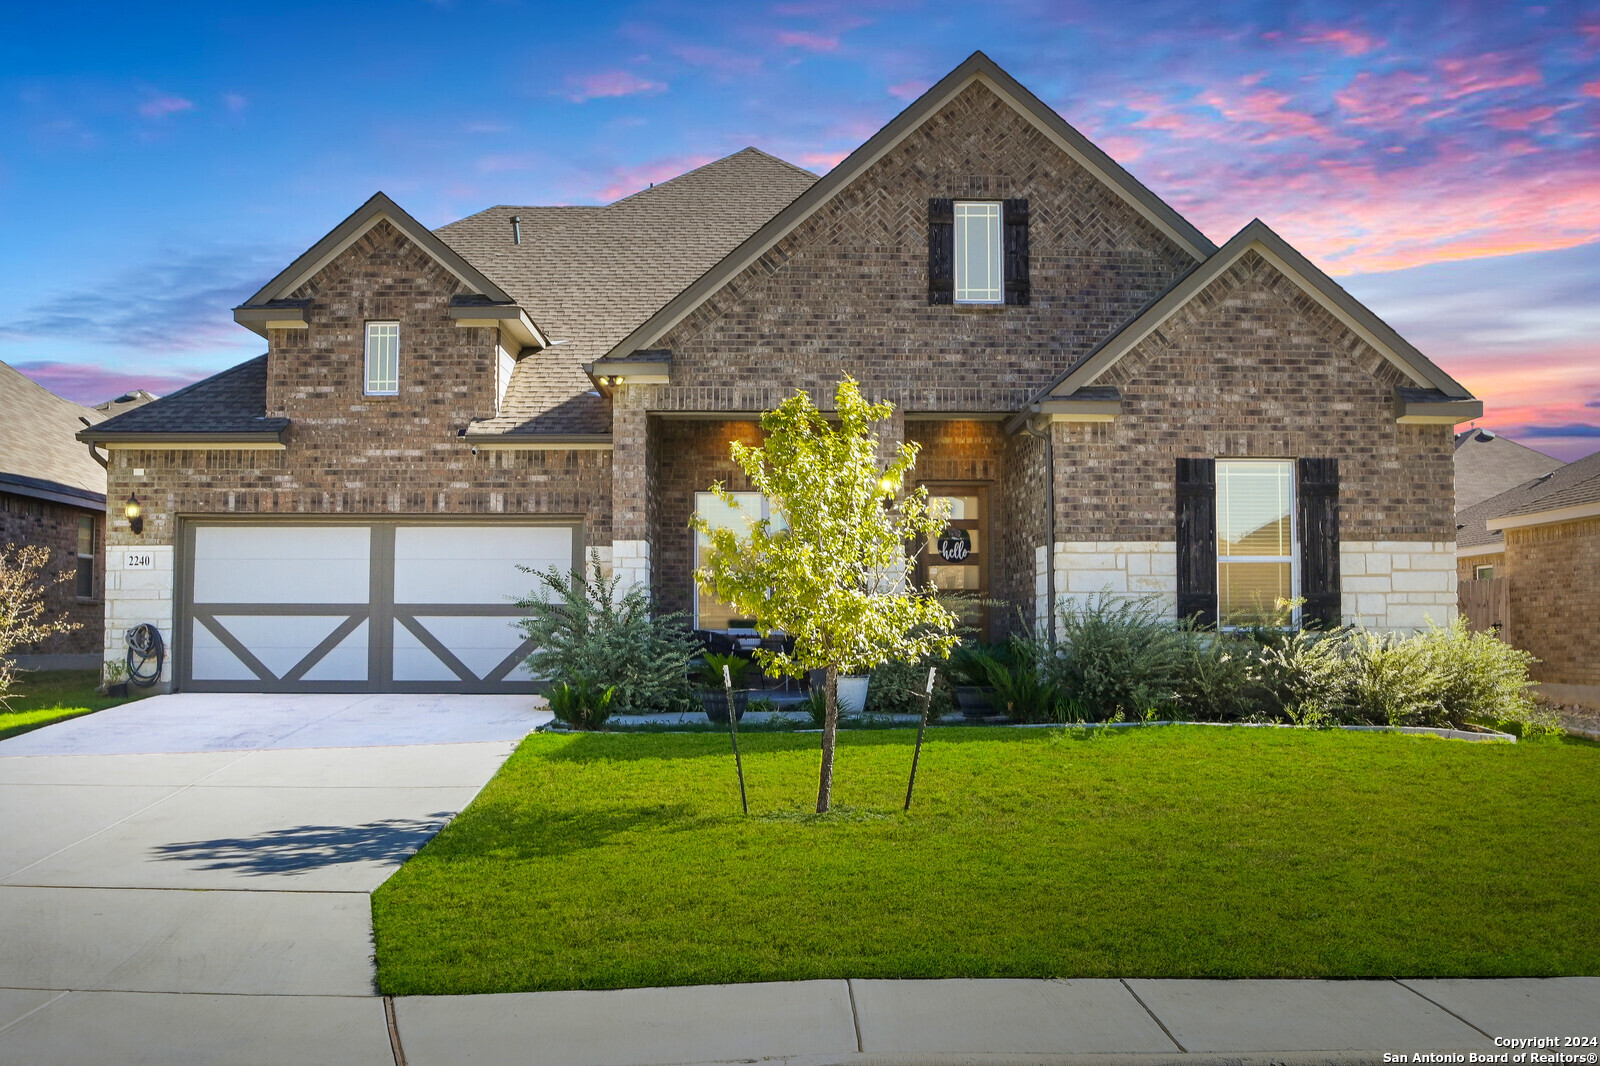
817 1023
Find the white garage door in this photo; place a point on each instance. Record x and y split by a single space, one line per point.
361 606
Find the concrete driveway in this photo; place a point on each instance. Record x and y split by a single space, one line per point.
223 845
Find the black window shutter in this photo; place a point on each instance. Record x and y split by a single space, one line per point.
1319 543
1197 540
941 251
1014 216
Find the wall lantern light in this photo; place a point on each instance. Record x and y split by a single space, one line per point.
135 515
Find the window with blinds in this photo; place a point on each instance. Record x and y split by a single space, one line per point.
383 358
1256 539
86 556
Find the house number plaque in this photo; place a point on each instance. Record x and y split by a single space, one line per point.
138 561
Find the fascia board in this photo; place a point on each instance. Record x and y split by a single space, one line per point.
578 442
977 68
266 440
39 492
1479 549
1546 518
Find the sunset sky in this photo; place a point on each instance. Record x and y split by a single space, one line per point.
158 163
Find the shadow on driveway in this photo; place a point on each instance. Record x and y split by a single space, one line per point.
310 847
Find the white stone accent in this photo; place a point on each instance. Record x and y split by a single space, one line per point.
1041 585
630 561
134 596
1397 585
1137 568
602 552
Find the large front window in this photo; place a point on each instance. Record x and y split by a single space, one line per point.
1255 539
750 507
383 358
980 268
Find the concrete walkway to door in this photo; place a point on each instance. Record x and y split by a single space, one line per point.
201 864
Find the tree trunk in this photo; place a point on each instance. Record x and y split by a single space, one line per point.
830 725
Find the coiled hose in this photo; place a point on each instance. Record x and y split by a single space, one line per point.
144 644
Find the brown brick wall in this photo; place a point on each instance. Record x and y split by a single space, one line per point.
1555 598
847 291
1023 494
25 520
358 455
1252 367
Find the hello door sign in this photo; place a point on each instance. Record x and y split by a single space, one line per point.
955 545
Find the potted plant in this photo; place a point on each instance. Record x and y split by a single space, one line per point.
969 673
713 694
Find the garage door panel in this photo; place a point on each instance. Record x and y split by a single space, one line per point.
474 564
373 606
282 564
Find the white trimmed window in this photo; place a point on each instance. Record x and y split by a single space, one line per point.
980 266
86 557
383 358
1484 573
1256 560
751 507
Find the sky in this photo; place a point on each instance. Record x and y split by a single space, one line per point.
158 163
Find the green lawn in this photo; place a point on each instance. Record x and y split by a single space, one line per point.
38 699
602 861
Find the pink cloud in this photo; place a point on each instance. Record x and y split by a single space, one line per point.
1506 118
1383 99
611 83
625 181
909 90
1591 88
161 106
1349 42
721 61
89 384
1466 75
811 42
234 102
1266 108
822 162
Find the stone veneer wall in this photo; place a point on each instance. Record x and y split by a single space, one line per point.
1397 585
1555 600
1135 569
54 526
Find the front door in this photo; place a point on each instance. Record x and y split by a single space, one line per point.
956 560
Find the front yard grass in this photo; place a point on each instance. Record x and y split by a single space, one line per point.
47 696
606 861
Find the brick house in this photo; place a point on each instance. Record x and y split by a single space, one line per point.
53 494
1529 565
1110 401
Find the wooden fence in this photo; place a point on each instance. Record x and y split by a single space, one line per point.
1486 604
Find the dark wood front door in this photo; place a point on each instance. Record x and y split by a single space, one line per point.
957 561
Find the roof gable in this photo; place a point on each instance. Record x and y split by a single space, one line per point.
977 68
338 240
1259 237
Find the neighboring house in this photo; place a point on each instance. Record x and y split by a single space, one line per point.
1109 400
53 494
1530 565
1488 464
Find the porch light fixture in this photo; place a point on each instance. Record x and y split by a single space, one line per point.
134 514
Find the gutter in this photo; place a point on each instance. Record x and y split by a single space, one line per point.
246 440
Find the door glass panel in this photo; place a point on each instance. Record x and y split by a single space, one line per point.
955 578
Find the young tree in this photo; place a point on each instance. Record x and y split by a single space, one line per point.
835 574
22 620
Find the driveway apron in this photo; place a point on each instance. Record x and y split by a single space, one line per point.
194 865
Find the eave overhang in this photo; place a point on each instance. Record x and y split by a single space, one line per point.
1480 549
609 373
538 442
1097 404
52 492
276 314
245 440
1430 407
1546 518
508 317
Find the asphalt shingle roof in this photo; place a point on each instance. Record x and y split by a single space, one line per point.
589 275
1567 486
37 448
234 401
1488 464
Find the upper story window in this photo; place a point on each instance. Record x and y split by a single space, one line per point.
383 358
979 261
86 554
1256 539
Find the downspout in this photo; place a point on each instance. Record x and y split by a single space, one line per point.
1049 439
92 453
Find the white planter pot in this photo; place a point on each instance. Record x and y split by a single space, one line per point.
853 693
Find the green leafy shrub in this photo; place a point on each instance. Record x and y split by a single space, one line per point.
1221 679
709 675
816 707
1022 691
897 688
1117 655
583 629
581 703
1481 676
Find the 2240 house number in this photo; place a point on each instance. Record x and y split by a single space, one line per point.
139 561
